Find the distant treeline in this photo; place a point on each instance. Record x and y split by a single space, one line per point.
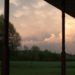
35 54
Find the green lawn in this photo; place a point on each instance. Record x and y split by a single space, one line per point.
40 68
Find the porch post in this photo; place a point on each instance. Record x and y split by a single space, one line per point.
63 54
5 51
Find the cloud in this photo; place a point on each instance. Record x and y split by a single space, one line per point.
37 37
25 7
50 39
39 4
70 31
46 42
1 11
15 2
18 13
40 23
23 11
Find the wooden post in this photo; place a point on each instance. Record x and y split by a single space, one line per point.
5 51
63 55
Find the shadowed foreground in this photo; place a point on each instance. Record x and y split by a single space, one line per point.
39 68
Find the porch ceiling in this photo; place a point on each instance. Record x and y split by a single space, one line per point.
70 6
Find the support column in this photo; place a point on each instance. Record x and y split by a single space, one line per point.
5 51
63 54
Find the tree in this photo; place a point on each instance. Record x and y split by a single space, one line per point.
35 48
14 37
25 47
35 53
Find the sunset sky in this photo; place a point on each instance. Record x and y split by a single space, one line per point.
39 23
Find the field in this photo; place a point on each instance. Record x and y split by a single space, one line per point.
40 68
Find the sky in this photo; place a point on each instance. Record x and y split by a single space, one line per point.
39 23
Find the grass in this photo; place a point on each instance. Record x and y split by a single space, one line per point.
40 68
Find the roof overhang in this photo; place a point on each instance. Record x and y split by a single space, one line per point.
70 6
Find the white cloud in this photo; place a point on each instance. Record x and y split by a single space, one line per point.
18 13
15 2
40 19
24 10
25 7
1 11
70 30
40 13
51 39
40 4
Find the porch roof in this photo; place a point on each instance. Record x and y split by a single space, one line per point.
70 6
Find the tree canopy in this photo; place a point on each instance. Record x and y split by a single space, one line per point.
14 37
